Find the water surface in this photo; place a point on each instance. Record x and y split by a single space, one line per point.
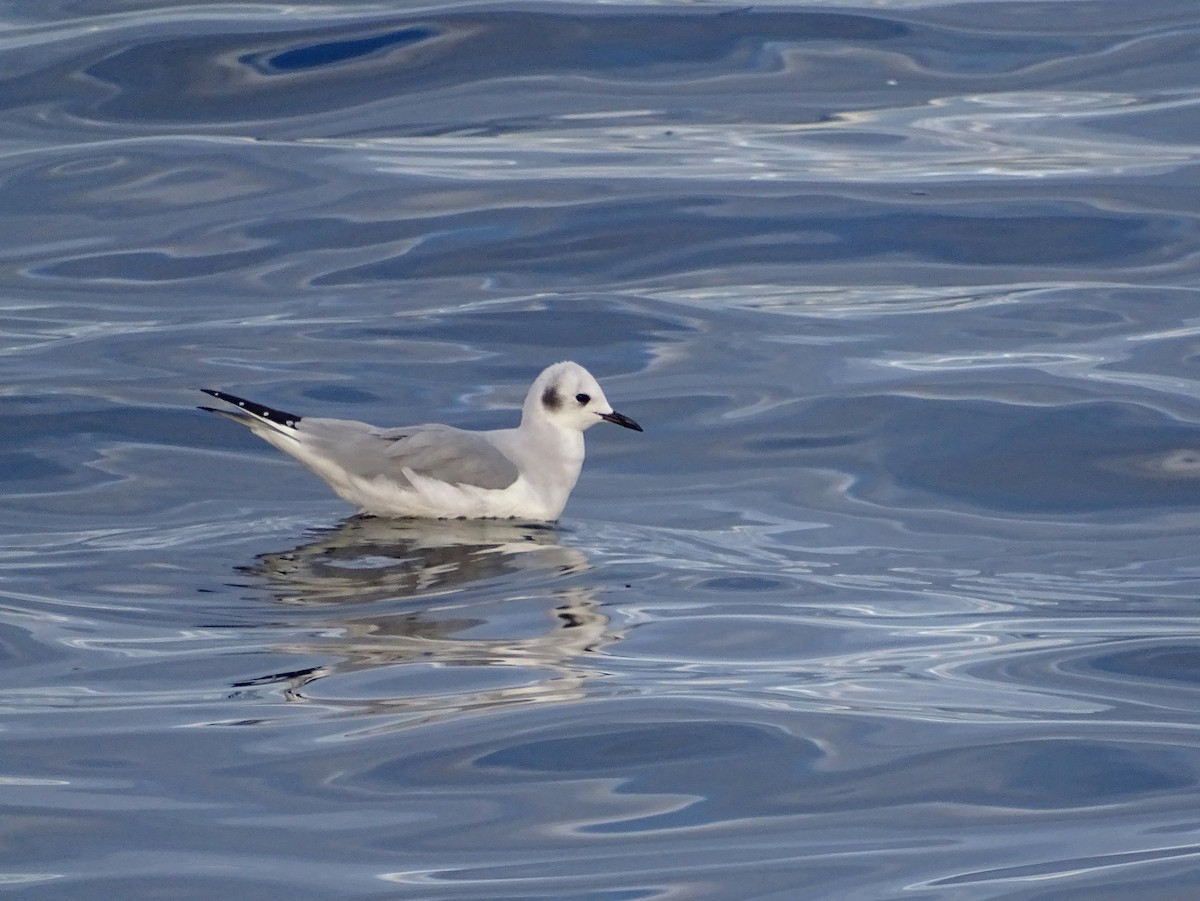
893 598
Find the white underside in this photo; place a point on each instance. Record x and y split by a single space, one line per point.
435 499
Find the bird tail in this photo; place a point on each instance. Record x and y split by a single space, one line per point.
259 419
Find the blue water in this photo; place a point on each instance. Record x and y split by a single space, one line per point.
896 597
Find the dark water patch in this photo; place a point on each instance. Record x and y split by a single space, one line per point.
740 584
1018 775
150 266
328 53
1008 458
1099 457
1179 664
22 466
621 749
25 428
23 658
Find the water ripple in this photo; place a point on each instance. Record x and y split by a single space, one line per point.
895 595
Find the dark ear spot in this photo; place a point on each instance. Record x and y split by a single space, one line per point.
550 399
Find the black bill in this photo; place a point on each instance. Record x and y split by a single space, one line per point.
621 419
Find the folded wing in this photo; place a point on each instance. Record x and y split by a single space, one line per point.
434 451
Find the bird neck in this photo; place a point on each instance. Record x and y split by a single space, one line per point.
557 453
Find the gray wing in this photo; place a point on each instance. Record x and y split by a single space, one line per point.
451 455
438 451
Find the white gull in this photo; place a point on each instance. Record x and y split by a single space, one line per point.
442 472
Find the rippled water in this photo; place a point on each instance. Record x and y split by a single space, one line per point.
894 598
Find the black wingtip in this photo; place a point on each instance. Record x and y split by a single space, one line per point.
270 414
221 395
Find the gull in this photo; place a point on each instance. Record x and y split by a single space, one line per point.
440 472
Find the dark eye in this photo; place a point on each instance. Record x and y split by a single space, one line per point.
582 398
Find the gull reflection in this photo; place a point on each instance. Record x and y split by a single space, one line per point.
477 594
367 559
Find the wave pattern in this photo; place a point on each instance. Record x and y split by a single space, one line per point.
895 596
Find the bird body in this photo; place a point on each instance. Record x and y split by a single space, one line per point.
438 471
